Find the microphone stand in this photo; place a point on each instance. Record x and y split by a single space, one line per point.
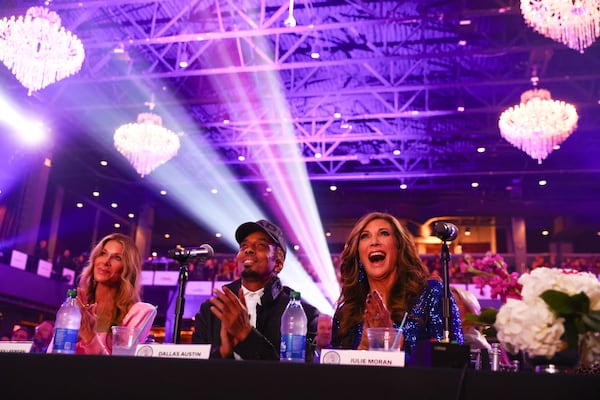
445 258
443 353
180 305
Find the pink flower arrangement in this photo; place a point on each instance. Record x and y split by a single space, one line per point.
492 271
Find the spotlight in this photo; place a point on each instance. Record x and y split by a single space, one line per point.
345 125
315 52
290 21
119 49
183 61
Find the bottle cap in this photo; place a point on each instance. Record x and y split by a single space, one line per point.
294 295
72 293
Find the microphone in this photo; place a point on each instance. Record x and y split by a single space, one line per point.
445 231
203 252
444 353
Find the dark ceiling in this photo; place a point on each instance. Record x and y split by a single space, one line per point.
396 71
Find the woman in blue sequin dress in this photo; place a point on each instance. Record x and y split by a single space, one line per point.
383 278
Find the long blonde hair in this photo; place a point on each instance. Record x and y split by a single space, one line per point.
411 277
129 289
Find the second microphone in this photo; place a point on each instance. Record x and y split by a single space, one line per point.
203 252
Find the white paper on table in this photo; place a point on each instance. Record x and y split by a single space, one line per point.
44 268
15 347
166 278
70 274
18 259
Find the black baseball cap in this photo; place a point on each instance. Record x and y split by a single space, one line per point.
273 231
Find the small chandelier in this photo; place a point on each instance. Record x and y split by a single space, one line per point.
38 50
574 23
538 125
146 143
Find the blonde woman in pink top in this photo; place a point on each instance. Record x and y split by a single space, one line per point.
109 293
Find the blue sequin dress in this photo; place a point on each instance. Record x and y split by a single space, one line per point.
425 321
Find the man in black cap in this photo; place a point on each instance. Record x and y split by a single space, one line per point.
243 319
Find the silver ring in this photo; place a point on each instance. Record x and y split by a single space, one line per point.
376 317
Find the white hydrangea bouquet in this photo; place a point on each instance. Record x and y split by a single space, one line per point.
559 308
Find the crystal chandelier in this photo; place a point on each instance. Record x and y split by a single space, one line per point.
574 23
38 50
146 143
538 125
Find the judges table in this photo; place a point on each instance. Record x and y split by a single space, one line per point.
86 377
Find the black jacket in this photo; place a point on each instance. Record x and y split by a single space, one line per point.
263 342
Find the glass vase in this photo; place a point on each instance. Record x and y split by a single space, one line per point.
589 354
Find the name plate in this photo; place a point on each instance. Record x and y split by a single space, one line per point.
166 278
15 347
44 268
196 351
363 357
18 259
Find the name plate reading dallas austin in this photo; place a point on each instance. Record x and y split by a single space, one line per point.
196 351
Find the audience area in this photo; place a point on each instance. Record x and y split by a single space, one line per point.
222 266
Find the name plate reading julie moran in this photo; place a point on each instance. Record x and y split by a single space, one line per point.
195 351
363 357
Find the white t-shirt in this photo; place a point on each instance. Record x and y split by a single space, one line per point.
252 299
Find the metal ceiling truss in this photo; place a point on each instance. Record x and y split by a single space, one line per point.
396 72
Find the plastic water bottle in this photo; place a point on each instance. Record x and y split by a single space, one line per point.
294 326
66 326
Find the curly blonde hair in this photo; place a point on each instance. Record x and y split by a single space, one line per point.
129 290
411 277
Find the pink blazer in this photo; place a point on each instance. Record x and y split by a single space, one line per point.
141 316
